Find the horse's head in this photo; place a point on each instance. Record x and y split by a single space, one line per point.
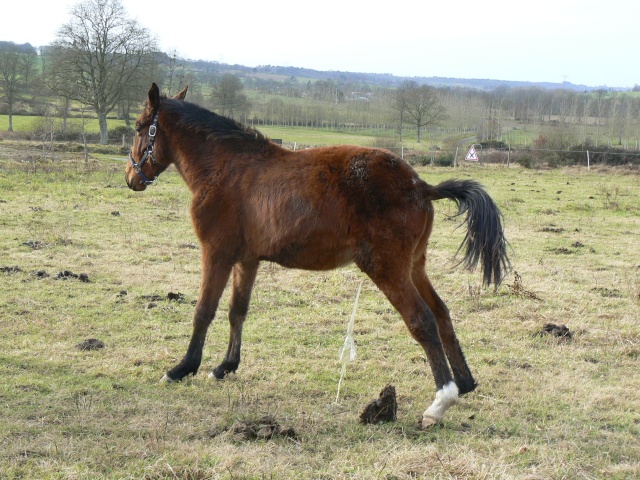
144 163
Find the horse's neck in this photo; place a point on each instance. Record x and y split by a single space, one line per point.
194 163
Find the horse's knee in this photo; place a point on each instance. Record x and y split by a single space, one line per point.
423 327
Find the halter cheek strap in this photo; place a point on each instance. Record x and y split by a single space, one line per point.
148 154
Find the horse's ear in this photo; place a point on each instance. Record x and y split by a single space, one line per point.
182 93
154 96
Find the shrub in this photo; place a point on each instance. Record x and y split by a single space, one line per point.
444 160
493 144
494 156
116 133
526 160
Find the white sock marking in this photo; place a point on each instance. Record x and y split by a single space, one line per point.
446 397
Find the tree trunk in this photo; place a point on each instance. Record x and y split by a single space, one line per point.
104 132
65 115
10 111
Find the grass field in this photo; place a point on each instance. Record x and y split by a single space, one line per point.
546 407
301 136
29 123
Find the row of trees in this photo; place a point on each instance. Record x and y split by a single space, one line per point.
104 62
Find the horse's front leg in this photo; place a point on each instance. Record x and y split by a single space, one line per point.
244 276
215 275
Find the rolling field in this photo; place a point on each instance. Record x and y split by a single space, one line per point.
82 257
300 136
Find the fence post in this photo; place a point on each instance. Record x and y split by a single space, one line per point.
455 159
588 163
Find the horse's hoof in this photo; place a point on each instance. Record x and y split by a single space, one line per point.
429 422
466 387
213 375
166 379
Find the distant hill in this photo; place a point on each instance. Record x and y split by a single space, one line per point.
389 80
381 79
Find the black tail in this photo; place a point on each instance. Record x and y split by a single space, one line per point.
485 241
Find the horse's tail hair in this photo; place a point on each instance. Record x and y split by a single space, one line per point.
484 241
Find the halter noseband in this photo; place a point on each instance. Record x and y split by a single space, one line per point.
148 154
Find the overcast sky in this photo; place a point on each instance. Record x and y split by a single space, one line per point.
590 42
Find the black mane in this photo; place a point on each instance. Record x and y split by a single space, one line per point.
210 124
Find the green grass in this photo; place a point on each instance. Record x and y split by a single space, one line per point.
545 408
305 137
308 136
301 136
28 123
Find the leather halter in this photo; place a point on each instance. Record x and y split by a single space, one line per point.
148 154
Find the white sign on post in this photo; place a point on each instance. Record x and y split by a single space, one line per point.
472 155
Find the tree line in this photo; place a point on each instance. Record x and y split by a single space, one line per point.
102 62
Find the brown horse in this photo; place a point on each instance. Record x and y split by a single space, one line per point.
315 209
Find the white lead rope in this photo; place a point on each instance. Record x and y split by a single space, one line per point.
347 352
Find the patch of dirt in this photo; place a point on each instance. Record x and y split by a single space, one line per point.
34 244
67 274
175 297
553 229
382 409
14 269
265 428
608 292
90 344
171 296
64 275
152 298
561 251
560 331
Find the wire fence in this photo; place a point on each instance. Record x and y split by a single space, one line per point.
525 156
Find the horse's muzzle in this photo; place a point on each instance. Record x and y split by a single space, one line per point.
133 185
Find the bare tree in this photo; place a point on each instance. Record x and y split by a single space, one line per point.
97 55
13 76
175 71
422 105
400 103
598 107
227 97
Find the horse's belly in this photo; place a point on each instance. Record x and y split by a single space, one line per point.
310 256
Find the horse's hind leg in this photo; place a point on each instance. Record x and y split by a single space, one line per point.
423 327
461 372
215 275
244 276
